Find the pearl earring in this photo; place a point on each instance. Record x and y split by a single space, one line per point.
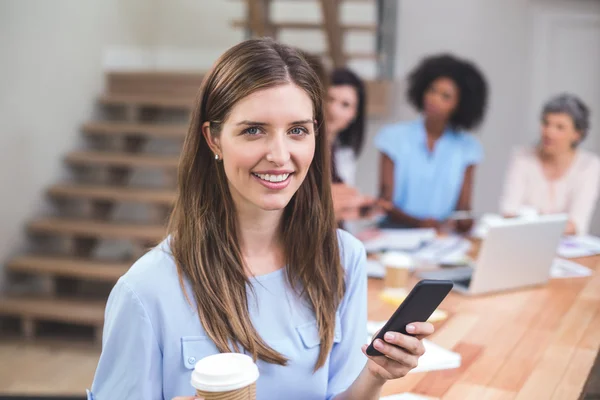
217 157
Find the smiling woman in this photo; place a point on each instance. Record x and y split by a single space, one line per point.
267 146
253 262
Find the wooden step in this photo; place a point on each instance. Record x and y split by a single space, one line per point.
125 160
310 26
113 193
378 92
79 268
78 311
108 128
151 234
180 84
151 100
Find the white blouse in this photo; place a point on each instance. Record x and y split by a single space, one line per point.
345 163
575 193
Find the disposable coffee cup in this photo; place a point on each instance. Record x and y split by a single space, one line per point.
397 269
225 376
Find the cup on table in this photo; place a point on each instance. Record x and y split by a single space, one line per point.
397 269
225 376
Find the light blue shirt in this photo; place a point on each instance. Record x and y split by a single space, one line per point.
427 184
153 337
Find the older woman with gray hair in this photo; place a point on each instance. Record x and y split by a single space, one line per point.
556 176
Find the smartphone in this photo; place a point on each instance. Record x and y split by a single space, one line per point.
418 306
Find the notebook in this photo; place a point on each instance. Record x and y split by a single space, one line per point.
435 358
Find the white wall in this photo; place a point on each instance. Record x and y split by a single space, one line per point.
50 72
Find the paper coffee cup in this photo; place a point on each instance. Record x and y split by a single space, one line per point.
225 376
397 269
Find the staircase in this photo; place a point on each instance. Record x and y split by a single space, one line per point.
122 188
140 109
341 25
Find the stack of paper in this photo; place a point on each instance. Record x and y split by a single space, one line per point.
568 269
399 239
579 246
445 250
375 269
435 357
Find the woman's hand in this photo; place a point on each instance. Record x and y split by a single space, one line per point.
349 204
400 352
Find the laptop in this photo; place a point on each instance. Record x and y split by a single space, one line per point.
515 253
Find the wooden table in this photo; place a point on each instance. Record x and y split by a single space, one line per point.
528 344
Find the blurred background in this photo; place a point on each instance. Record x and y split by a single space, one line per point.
96 93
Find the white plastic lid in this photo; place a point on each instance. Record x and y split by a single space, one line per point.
396 259
224 372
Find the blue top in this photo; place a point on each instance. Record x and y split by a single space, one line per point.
153 337
427 184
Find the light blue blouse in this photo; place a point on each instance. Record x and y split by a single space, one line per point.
427 184
153 337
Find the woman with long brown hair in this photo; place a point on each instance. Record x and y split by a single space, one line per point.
253 262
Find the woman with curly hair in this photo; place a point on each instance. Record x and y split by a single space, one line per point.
556 176
428 165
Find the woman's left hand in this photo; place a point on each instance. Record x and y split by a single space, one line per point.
400 352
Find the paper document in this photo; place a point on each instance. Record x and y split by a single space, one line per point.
445 250
375 269
579 246
406 396
399 239
435 357
562 268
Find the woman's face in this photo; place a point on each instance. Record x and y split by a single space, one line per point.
441 99
558 133
267 145
342 108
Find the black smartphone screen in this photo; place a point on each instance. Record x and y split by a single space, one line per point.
418 306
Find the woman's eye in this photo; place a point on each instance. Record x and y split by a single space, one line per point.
298 131
251 131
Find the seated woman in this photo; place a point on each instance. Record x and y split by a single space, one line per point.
428 165
345 113
555 176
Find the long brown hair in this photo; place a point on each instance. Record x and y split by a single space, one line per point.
203 225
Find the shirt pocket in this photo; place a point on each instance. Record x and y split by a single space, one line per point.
195 348
309 333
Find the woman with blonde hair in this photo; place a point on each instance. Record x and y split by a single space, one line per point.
556 176
253 262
